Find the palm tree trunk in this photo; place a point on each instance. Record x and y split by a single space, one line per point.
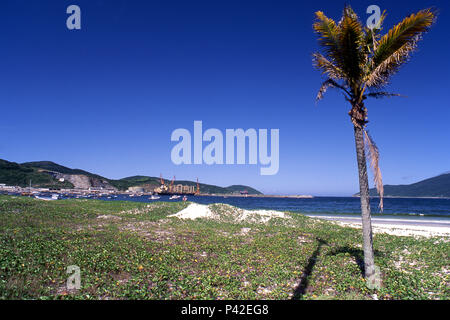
369 264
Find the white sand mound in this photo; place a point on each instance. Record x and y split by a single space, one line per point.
224 212
263 215
194 211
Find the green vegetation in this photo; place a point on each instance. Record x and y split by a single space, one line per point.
434 187
15 174
125 183
129 250
153 182
51 166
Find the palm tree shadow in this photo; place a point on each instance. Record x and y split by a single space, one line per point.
357 254
300 290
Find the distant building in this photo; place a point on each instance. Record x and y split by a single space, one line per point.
136 189
95 189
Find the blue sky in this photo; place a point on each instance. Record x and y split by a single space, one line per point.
106 98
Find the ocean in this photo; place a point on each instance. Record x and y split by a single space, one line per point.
407 207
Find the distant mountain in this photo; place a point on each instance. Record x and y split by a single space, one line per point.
47 174
438 186
14 174
51 166
76 177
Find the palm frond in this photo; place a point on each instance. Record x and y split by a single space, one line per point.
327 67
351 37
382 94
379 76
330 83
402 33
374 157
372 36
328 33
347 12
395 47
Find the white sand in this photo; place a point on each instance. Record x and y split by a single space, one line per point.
403 230
194 211
224 211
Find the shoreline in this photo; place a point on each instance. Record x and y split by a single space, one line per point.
300 196
318 213
17 189
402 197
395 226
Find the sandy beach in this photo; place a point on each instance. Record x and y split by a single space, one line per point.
396 226
426 227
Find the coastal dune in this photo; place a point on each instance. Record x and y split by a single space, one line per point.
228 213
393 226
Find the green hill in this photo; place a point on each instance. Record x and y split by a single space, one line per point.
210 189
125 183
51 166
41 173
438 186
14 174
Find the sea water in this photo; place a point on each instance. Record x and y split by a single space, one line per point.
409 207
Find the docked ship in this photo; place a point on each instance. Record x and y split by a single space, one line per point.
177 189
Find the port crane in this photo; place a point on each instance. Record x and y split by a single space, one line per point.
163 187
197 191
171 184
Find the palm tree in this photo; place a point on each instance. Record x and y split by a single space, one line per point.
359 61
